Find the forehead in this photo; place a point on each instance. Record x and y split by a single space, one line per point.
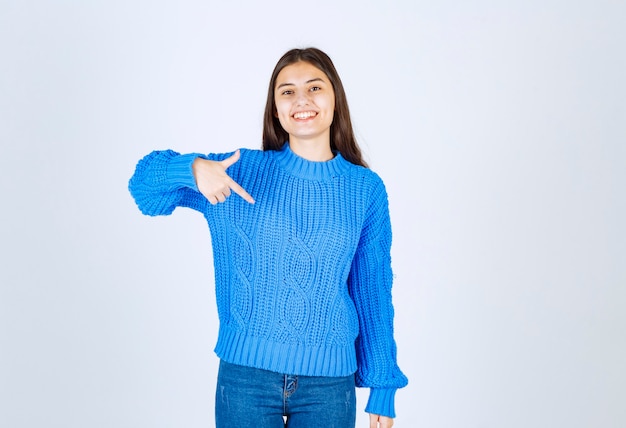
300 72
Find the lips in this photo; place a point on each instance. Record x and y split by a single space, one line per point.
301 115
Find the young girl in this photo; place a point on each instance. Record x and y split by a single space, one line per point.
302 258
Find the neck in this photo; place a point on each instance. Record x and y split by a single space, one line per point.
317 150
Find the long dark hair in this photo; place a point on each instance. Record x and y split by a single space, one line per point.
341 134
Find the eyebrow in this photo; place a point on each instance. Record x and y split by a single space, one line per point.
317 79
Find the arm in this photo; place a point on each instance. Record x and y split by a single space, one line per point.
370 282
164 180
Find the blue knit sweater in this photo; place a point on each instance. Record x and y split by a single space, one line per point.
303 276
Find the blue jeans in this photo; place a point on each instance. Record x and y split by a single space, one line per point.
249 397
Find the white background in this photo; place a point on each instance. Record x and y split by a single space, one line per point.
498 127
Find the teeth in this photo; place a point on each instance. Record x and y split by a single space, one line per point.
304 114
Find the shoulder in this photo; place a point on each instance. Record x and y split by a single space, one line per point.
255 160
246 156
251 152
369 174
255 155
367 179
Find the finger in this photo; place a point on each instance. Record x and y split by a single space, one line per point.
231 160
221 197
212 199
241 192
373 421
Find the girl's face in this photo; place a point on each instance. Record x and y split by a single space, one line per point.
305 102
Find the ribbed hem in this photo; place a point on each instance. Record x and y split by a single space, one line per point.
179 171
311 170
382 402
237 348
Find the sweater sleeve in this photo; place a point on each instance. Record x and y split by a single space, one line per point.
370 282
163 180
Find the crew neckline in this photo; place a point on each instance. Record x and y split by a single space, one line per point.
311 170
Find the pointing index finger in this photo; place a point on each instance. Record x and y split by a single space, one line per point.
241 191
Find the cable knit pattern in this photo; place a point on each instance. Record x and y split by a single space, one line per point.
303 276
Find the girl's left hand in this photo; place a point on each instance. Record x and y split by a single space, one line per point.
377 421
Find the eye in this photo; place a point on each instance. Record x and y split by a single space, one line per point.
315 89
287 92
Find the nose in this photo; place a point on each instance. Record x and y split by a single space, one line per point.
302 98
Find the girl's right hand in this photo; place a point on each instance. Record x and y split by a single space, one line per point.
214 183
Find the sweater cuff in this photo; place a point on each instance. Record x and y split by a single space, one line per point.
179 171
381 402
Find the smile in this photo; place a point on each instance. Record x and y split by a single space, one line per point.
304 114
